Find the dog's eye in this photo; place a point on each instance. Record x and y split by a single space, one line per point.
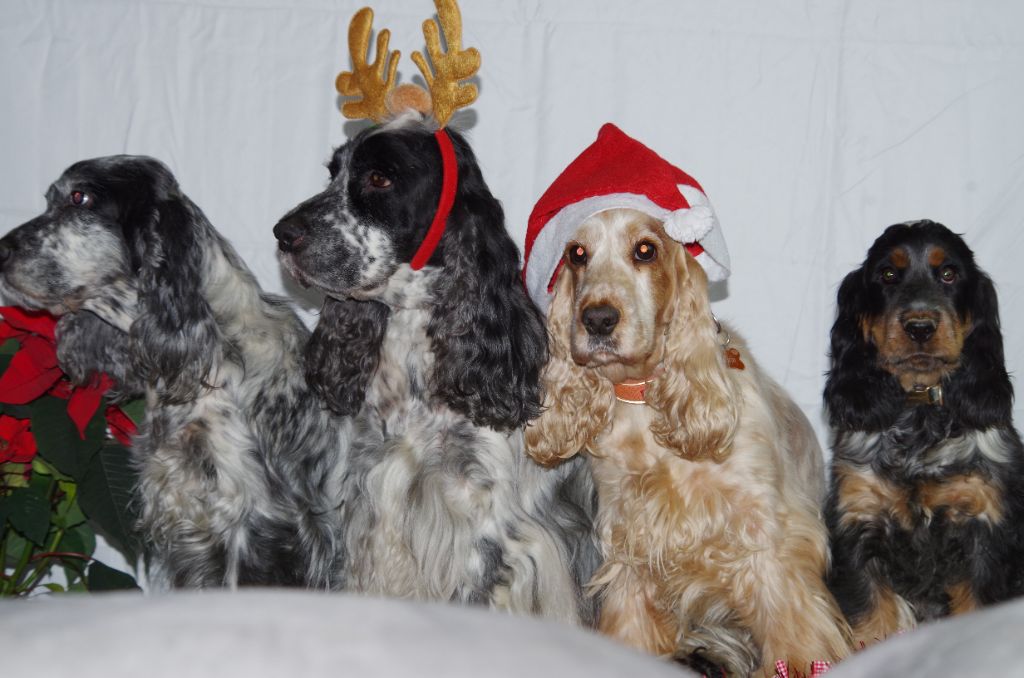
577 254
947 274
889 275
80 198
645 251
378 180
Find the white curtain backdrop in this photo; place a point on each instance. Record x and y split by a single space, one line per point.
811 125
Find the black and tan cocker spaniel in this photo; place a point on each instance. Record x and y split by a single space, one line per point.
926 509
439 366
237 457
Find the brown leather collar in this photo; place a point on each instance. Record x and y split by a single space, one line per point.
635 392
926 395
632 392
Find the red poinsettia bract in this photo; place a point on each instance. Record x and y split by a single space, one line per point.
17 444
33 372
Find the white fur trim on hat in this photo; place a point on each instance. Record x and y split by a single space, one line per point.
550 244
691 225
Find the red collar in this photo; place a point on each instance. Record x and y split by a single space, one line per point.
632 392
449 184
635 392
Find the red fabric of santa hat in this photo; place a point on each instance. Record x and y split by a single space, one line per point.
617 171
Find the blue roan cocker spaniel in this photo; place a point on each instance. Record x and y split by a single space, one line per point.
439 369
237 458
926 510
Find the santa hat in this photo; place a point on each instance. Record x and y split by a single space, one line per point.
617 171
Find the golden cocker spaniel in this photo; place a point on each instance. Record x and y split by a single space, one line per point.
709 477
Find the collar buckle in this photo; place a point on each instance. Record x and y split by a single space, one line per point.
926 395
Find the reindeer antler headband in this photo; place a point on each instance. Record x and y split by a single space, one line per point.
381 99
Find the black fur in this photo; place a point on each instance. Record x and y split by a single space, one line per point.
908 447
86 345
175 338
487 337
344 351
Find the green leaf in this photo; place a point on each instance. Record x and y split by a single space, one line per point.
8 349
105 494
79 539
16 411
103 578
58 439
13 475
28 511
68 514
41 467
53 588
16 545
74 569
135 409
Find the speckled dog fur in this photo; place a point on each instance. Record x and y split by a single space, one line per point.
439 369
239 465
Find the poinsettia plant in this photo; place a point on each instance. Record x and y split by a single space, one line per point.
65 474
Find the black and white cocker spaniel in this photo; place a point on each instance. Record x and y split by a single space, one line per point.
237 457
439 368
926 510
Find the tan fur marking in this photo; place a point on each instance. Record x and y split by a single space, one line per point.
961 598
890 615
895 347
936 256
863 497
630 612
899 258
963 497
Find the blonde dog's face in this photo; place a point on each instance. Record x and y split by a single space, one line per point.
631 303
623 271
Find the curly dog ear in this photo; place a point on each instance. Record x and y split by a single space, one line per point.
577 401
175 340
979 392
859 395
696 402
344 352
487 336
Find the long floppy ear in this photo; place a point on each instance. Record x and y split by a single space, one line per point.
88 345
697 404
175 339
979 393
487 336
344 352
859 395
577 400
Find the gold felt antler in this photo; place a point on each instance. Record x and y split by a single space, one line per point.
446 92
367 79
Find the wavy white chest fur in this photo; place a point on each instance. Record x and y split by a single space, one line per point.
436 507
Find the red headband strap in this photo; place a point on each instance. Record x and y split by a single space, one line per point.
449 183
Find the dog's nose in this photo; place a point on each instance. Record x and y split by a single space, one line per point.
290 234
920 330
600 320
